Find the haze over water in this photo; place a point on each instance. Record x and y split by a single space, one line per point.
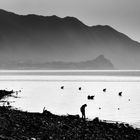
43 89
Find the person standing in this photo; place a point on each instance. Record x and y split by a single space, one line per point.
82 109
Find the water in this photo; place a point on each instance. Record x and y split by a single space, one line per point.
43 89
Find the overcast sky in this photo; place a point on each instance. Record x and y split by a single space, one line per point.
123 15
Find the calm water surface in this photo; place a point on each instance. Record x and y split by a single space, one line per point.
42 89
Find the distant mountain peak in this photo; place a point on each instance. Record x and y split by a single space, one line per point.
100 57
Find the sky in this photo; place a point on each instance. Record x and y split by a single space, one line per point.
123 15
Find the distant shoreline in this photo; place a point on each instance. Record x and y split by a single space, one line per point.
129 73
37 70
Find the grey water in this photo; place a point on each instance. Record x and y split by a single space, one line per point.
40 88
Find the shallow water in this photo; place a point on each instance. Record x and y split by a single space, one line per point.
44 90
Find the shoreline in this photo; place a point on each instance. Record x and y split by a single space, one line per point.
19 125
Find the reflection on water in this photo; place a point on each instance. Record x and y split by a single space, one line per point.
45 91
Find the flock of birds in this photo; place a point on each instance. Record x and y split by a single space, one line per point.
91 97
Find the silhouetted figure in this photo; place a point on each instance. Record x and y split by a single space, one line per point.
80 88
62 87
91 97
104 90
82 109
120 94
99 108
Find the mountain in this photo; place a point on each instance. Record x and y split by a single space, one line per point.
48 39
100 63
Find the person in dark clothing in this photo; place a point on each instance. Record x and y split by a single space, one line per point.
82 109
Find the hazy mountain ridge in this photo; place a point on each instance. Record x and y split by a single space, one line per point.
100 63
42 39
